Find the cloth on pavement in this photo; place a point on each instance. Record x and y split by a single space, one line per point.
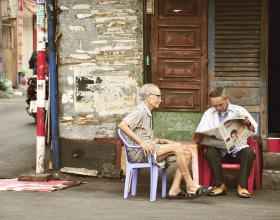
50 186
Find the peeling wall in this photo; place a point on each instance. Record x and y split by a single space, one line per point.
100 64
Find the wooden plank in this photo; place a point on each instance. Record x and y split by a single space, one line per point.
246 75
237 60
238 27
241 3
238 22
236 32
239 18
237 55
236 69
233 50
238 41
227 46
237 13
238 37
238 8
240 81
217 64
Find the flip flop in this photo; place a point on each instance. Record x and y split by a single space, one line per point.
217 192
180 195
202 190
243 193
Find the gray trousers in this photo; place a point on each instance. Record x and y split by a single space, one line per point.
244 157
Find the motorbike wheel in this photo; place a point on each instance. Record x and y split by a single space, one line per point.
34 115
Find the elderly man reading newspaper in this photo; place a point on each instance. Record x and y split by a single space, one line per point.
222 109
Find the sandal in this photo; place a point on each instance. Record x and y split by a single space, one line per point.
180 195
243 193
203 190
217 192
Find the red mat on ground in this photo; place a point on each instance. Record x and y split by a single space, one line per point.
15 185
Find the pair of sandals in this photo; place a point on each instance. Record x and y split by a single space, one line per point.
202 190
242 193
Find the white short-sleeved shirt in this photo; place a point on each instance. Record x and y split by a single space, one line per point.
210 120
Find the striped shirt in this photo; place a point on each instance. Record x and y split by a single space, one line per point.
140 122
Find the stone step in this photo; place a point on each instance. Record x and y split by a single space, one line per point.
271 179
271 160
271 171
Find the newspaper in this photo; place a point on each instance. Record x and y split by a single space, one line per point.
228 135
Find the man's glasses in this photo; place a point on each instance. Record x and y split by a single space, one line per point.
159 96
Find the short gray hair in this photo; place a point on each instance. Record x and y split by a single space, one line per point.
218 92
147 89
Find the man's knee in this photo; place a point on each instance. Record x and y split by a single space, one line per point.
210 151
249 152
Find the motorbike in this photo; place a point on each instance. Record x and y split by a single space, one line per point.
31 94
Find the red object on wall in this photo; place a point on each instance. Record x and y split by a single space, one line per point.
34 33
273 145
118 143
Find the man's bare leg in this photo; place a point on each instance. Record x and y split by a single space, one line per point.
175 187
176 149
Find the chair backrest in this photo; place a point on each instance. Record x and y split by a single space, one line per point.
250 142
126 145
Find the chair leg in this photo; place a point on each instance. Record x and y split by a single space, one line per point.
201 165
134 181
251 180
207 174
127 182
154 179
164 182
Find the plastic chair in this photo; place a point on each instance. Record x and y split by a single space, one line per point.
209 180
259 161
132 170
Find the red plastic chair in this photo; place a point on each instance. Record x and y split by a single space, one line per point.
208 179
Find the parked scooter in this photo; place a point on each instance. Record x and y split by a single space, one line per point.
31 94
32 87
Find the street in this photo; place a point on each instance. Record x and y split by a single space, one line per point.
103 198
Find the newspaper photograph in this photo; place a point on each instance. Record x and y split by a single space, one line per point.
228 135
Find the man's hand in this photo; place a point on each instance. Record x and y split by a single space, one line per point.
197 138
244 121
147 148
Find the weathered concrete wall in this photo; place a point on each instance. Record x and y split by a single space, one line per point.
177 126
27 40
100 63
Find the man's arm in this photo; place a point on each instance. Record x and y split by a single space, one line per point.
146 147
248 124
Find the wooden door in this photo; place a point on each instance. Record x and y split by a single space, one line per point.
179 54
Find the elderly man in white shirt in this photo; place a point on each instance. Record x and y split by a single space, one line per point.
220 110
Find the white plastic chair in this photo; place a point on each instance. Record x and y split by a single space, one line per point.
132 170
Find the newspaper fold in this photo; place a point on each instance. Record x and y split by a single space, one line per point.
229 134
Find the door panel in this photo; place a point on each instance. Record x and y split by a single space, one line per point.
179 42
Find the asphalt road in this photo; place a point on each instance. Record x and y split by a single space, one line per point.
102 198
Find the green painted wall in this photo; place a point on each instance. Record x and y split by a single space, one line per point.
177 126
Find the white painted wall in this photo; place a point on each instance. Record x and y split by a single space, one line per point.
27 40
